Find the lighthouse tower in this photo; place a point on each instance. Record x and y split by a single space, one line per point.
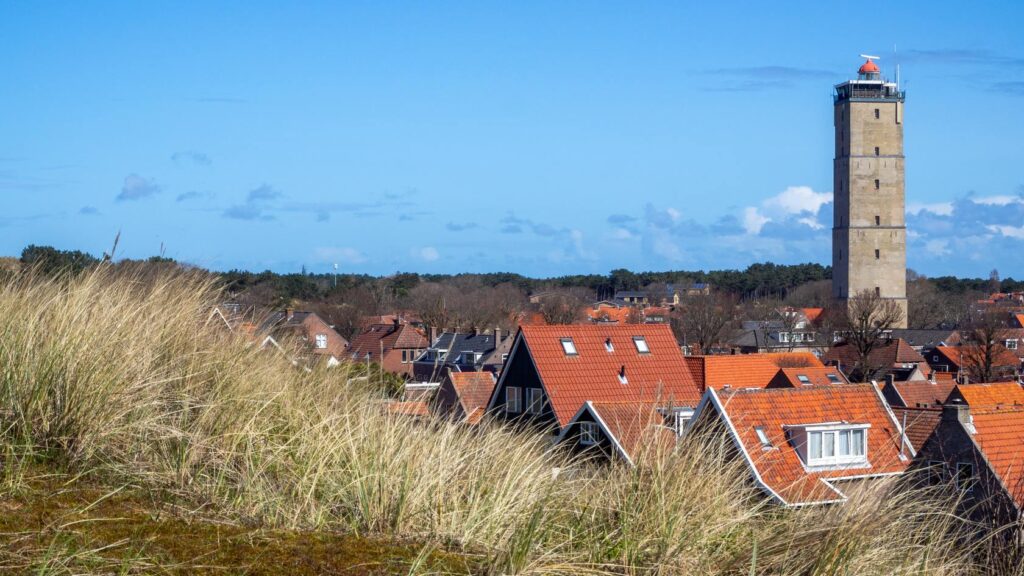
869 234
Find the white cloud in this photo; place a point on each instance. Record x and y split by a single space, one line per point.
427 254
998 200
621 234
795 201
938 208
136 187
674 214
937 247
1008 231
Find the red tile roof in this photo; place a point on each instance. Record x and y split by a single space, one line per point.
921 422
635 427
417 409
813 314
924 393
989 395
891 353
811 376
592 374
1000 434
775 410
967 356
1020 320
385 337
745 370
474 391
609 313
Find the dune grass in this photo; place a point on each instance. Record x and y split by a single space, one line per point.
115 379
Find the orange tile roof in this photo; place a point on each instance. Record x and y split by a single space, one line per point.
813 314
813 376
745 370
921 422
635 427
415 408
1020 320
989 395
609 313
966 356
474 391
592 374
1000 434
775 410
924 393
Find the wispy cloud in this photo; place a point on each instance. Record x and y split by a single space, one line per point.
460 226
192 195
256 205
136 187
88 211
962 56
191 157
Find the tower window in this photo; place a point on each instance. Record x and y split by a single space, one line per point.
877 254
877 115
877 151
878 220
878 184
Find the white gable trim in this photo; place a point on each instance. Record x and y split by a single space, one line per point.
588 406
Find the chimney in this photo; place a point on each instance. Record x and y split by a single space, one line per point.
397 321
956 411
497 336
433 336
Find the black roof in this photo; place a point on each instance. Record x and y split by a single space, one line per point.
923 338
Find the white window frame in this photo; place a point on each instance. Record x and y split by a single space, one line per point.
784 337
534 400
641 345
569 347
589 434
469 357
321 341
762 437
1011 343
513 400
824 445
803 378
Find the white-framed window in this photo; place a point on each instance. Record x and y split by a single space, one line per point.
441 355
568 346
803 378
588 433
534 400
762 437
469 357
784 337
513 402
679 419
833 378
1011 344
321 341
641 345
836 446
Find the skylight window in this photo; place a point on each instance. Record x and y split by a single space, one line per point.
803 378
569 347
762 437
608 345
833 378
641 345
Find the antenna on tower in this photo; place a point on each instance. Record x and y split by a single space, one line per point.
869 57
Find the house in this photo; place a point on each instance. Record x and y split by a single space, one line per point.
807 376
607 311
889 356
774 336
463 396
917 393
806 445
632 298
917 423
744 370
318 337
462 352
923 339
623 431
553 370
655 314
967 361
394 345
991 395
977 453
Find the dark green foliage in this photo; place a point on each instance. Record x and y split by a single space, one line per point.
51 261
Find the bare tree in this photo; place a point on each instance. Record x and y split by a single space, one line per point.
984 339
434 303
701 321
563 307
863 320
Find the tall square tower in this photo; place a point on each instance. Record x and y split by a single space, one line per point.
869 234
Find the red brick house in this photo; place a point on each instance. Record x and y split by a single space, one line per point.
553 370
317 336
967 361
395 346
802 445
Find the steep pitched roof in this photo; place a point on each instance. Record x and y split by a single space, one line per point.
808 376
779 467
921 422
592 373
1020 320
812 314
926 338
999 435
887 354
923 393
385 336
966 356
473 390
745 370
633 427
989 395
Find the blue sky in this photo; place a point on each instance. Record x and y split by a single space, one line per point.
541 138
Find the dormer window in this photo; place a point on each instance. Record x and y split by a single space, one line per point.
469 357
832 444
608 345
641 345
568 346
